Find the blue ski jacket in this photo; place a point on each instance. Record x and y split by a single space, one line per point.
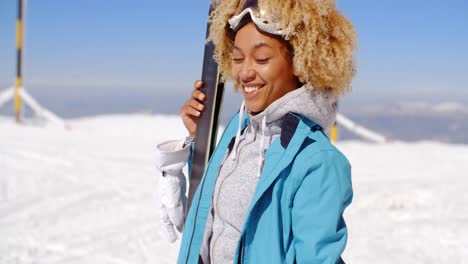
296 214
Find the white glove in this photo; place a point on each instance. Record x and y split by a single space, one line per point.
172 186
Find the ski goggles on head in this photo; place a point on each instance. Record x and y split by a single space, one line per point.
264 21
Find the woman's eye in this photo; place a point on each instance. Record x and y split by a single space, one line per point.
237 59
262 60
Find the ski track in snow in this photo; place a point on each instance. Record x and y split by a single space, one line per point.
88 195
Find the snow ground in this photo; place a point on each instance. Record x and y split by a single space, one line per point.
88 195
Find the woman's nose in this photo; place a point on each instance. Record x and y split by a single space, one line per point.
247 74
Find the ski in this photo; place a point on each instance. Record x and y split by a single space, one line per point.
207 125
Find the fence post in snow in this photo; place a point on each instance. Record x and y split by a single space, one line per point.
334 133
334 129
19 56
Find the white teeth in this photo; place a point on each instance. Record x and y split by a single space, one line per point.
250 89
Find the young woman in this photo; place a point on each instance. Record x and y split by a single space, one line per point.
275 188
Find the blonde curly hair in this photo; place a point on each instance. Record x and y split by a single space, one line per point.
322 39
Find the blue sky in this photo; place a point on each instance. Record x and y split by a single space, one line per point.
147 50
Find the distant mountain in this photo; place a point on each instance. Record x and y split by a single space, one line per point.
413 121
405 120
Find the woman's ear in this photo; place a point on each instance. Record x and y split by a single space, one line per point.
295 71
299 76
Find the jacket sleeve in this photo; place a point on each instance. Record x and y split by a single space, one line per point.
319 230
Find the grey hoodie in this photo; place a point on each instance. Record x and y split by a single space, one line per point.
240 171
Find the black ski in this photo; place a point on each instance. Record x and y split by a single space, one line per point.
207 125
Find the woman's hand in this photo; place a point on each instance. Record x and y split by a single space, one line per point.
192 108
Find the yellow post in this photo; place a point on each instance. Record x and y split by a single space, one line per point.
19 46
334 133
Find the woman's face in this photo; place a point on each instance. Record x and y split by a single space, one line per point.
261 68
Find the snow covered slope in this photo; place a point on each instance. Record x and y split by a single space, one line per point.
88 195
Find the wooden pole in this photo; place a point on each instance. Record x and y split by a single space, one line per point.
19 56
334 131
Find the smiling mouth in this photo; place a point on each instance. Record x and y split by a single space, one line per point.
252 89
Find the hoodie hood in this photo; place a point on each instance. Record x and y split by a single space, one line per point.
316 105
313 104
